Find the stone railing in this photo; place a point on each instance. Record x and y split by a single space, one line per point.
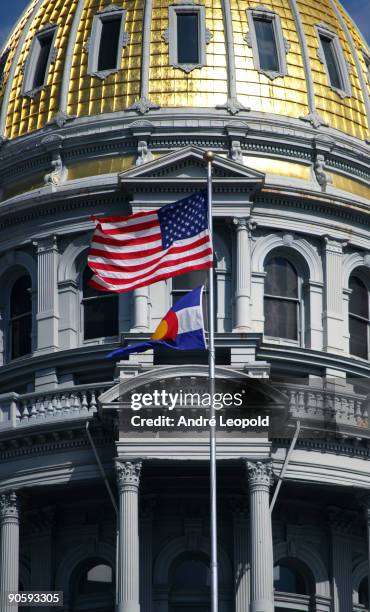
328 409
31 408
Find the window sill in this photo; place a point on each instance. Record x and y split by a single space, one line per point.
282 342
32 93
101 340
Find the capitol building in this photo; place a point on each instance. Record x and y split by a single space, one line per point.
107 109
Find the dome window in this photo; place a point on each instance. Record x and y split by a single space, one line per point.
266 39
187 36
3 60
359 318
20 321
331 55
107 42
100 311
41 55
282 300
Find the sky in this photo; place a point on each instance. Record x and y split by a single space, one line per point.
11 9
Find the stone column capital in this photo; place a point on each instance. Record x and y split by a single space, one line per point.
128 475
260 474
342 521
9 507
46 244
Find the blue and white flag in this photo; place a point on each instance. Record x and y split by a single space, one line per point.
181 329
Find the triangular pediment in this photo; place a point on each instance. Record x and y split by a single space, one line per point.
187 165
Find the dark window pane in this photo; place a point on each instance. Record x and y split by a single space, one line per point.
21 336
100 311
281 319
281 278
187 38
363 592
3 60
190 280
358 331
190 574
109 40
359 298
267 50
289 580
42 60
331 62
20 297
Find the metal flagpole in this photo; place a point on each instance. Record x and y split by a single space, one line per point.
209 157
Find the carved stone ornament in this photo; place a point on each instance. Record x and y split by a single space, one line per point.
59 172
260 473
144 155
236 153
367 260
60 119
9 506
233 106
288 239
208 36
322 177
142 106
128 474
248 38
110 8
166 36
315 120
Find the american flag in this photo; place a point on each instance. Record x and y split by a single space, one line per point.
146 247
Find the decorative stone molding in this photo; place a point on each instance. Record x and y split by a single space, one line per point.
53 143
170 34
92 44
30 65
315 120
9 507
128 474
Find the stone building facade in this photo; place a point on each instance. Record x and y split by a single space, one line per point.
107 109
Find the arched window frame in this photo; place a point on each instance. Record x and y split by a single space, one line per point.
303 322
93 600
82 299
364 277
20 265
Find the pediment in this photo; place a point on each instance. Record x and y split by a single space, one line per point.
188 166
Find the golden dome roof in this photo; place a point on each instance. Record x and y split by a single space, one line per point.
229 67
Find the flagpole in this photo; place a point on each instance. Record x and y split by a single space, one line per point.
209 157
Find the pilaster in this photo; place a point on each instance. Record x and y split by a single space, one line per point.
243 276
128 570
47 295
260 477
333 303
9 547
242 566
146 554
341 523
68 331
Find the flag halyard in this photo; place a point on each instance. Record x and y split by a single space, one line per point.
141 249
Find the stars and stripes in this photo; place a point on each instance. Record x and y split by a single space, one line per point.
146 247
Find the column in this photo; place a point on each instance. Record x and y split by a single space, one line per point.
128 479
47 302
262 584
146 555
241 555
141 310
315 290
243 281
333 302
9 547
69 315
341 557
366 502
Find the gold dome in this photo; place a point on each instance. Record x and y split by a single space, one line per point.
70 89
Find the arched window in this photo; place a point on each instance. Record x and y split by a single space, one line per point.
20 320
282 300
190 584
92 586
359 320
100 310
363 592
289 579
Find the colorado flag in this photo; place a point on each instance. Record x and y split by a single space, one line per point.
182 328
